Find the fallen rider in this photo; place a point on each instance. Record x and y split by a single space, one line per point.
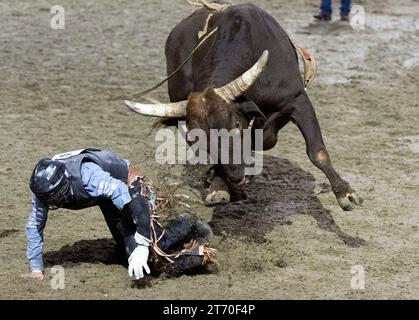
92 177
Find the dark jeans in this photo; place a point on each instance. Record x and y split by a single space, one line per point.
120 225
123 229
345 7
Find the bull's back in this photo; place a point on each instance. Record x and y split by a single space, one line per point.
244 32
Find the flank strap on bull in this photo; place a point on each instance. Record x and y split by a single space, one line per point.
310 64
193 248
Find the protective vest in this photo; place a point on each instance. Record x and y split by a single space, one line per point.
73 160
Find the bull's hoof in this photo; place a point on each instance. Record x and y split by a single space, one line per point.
350 201
217 197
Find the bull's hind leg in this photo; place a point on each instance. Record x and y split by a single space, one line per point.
305 118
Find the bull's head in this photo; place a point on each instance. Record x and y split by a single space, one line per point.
214 108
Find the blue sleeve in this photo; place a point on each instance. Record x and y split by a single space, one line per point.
35 234
99 183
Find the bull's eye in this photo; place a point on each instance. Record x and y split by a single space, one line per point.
238 124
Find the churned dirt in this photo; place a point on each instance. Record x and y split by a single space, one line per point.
61 90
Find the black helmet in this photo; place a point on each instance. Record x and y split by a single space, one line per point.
50 183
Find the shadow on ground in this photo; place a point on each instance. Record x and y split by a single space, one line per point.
282 190
7 232
103 251
335 27
84 251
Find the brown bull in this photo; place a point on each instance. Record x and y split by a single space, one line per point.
247 70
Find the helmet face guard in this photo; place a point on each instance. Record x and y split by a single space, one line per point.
59 197
50 183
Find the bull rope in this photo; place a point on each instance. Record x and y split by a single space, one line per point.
210 5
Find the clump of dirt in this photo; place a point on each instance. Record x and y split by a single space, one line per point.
7 233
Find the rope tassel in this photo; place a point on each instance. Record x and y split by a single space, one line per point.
193 248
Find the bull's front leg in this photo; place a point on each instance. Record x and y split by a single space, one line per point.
305 118
226 185
218 192
270 126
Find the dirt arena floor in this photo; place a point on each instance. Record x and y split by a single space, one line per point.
60 90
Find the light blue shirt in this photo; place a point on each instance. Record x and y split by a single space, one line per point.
97 182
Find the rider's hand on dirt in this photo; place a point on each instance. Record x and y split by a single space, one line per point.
137 261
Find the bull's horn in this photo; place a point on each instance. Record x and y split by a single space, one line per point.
237 87
169 110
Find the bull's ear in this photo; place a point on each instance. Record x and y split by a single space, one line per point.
250 109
